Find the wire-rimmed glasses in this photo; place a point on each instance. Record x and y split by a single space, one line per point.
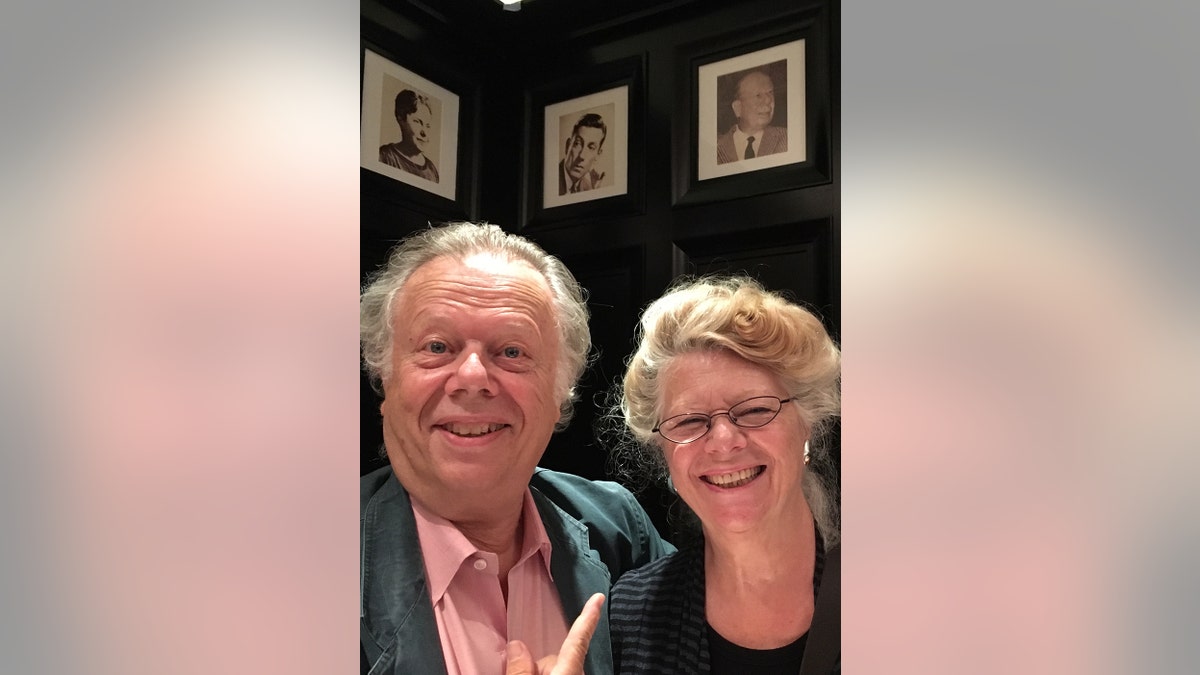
749 414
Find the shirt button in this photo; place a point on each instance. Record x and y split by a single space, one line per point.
480 565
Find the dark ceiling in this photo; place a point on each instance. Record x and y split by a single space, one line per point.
546 21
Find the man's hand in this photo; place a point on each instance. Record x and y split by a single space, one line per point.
569 660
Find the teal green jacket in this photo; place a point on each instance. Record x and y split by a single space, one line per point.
597 532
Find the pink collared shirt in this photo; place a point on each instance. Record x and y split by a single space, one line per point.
464 584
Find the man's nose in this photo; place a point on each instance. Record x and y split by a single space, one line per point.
470 375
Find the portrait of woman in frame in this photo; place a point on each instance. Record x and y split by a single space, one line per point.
409 127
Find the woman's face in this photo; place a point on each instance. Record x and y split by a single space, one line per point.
417 126
735 479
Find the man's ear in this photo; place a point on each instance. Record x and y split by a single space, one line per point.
737 108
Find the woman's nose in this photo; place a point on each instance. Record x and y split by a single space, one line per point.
724 435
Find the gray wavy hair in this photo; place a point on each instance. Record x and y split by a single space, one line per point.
461 240
735 314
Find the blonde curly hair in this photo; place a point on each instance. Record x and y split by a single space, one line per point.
739 315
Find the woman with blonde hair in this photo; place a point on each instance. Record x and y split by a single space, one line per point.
730 396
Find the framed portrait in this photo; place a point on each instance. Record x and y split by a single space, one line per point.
760 117
746 107
585 148
410 127
584 139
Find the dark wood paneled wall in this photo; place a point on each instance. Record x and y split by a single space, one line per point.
787 234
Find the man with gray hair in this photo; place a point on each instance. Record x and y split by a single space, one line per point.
477 339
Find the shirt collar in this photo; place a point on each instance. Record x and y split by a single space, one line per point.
445 548
739 139
572 184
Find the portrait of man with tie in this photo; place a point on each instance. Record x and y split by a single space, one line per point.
751 98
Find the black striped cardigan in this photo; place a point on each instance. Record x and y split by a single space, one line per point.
656 614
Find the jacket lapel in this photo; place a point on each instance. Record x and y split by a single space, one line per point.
394 592
578 573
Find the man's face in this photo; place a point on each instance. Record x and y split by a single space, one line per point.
417 125
582 149
755 104
473 397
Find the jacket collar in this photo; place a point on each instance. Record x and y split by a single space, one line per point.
578 573
395 609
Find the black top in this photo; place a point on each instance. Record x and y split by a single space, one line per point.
727 657
658 622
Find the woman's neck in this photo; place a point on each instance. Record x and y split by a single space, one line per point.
743 561
411 152
759 584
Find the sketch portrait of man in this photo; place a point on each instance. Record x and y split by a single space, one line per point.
576 171
753 132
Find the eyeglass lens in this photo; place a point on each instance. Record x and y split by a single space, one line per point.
748 414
